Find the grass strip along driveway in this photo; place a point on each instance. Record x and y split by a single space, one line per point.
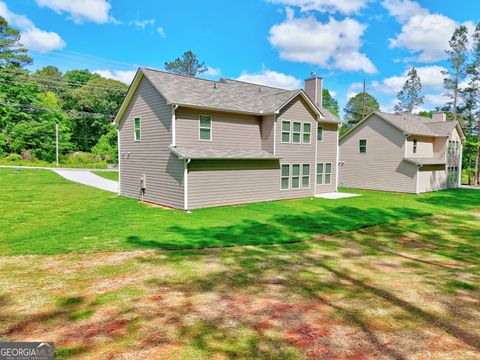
45 214
406 288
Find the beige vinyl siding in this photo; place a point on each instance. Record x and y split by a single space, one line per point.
228 130
327 153
382 166
424 146
150 156
432 178
267 133
440 148
297 111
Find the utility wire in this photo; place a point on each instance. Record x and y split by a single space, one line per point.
38 108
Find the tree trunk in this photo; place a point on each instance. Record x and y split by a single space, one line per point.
477 162
455 92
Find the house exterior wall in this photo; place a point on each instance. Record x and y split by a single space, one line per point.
228 130
432 178
150 155
425 148
222 182
327 153
382 167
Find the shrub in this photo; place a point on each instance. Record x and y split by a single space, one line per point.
26 155
14 158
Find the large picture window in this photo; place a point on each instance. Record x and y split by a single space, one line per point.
205 129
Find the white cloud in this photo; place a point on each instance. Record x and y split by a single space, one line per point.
332 93
424 34
434 100
32 37
161 32
142 23
326 6
81 10
271 78
212 71
125 76
333 45
430 76
354 89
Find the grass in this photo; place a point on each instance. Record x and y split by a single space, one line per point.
64 164
110 175
379 276
43 213
401 290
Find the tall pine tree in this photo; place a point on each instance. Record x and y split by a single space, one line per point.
409 97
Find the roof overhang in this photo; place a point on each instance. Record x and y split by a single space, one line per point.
128 97
221 154
425 161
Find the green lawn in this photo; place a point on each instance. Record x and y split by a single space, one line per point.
110 175
42 213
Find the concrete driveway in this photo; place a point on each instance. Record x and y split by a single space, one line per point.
85 177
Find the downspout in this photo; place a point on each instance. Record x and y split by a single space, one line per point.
418 179
185 185
275 132
338 159
119 159
174 134
316 159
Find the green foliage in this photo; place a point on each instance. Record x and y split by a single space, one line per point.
107 147
13 157
187 65
330 103
50 78
77 78
12 54
354 108
426 114
409 97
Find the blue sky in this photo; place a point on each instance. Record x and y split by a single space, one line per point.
276 42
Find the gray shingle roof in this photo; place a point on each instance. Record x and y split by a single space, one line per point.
225 94
426 161
221 153
418 125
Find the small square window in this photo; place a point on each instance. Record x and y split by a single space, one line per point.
363 146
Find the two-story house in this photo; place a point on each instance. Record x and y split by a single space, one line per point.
402 153
187 143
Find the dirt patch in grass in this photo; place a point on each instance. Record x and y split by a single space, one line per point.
401 291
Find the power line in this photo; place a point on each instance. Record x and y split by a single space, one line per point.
38 108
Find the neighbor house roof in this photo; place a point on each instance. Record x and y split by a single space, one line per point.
222 95
223 153
415 124
425 161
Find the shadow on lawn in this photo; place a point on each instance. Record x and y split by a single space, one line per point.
279 228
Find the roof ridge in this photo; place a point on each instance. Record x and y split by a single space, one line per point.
251 83
180 75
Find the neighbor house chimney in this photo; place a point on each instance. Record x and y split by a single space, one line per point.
313 88
439 116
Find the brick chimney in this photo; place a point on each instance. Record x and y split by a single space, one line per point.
439 116
313 88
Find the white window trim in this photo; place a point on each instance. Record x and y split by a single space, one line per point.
300 170
281 176
200 127
320 127
289 132
303 133
359 146
324 173
309 176
300 132
135 129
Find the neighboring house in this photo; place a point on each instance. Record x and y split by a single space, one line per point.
402 153
188 143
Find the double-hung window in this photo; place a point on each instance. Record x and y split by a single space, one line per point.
286 131
296 132
285 179
137 124
307 129
324 173
305 176
295 176
320 134
362 146
205 129
415 146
